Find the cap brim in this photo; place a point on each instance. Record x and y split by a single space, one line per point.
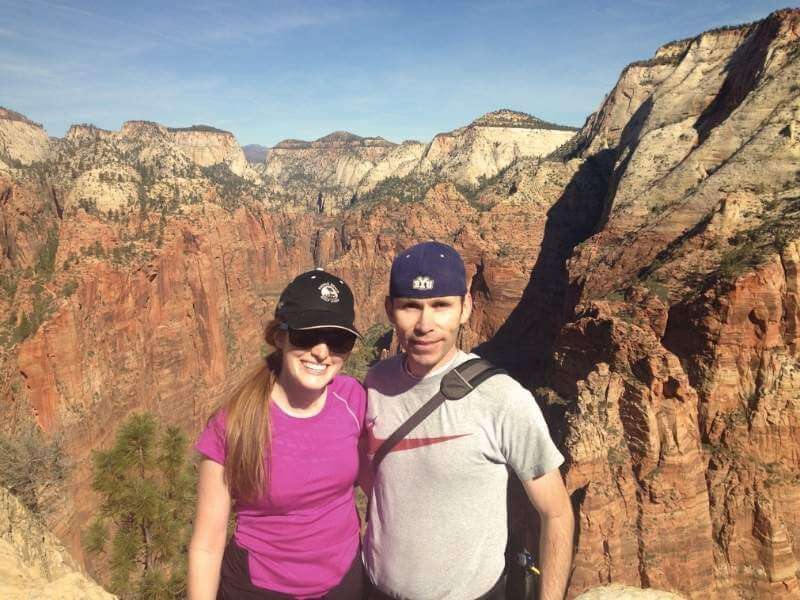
315 320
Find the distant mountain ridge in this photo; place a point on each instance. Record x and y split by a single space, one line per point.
337 138
342 166
12 115
511 118
254 153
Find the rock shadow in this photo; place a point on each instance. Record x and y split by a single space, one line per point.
743 70
523 343
628 141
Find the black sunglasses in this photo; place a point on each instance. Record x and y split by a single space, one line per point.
338 341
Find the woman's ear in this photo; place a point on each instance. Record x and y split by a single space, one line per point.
281 339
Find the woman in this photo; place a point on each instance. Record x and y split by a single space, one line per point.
284 451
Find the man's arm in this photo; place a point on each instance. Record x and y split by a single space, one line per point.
549 497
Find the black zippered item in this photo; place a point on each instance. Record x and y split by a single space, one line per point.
456 384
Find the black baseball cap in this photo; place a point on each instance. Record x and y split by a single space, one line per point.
428 270
316 300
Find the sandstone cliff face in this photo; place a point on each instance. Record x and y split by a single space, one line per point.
33 563
682 352
207 147
21 140
622 592
172 149
489 145
343 166
400 161
330 168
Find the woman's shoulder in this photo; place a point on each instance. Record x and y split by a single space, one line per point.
345 385
349 391
218 418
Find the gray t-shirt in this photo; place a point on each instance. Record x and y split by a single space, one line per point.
437 523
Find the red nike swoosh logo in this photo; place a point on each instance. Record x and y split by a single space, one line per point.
373 443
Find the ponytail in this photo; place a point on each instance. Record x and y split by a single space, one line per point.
247 428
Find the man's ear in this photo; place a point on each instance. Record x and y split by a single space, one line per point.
466 309
389 306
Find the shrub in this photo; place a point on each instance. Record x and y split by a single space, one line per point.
69 288
147 490
96 250
33 467
29 324
8 282
411 188
46 257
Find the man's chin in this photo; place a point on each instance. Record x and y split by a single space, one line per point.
421 362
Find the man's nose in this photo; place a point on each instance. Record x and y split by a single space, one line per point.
425 321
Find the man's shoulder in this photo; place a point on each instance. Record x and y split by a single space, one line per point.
499 383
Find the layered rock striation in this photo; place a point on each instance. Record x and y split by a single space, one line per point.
488 145
680 358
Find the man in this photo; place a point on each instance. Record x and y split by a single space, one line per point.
437 521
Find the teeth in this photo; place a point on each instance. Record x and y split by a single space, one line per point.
314 367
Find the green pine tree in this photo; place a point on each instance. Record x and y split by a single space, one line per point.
147 490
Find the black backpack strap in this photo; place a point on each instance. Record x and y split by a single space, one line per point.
404 429
456 384
464 378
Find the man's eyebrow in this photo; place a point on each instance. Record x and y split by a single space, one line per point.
409 301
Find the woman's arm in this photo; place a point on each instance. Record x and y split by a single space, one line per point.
210 532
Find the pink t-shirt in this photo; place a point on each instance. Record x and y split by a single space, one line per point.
303 535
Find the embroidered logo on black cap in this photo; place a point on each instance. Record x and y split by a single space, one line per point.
423 282
329 292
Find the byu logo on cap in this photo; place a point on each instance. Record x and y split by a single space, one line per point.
423 282
329 292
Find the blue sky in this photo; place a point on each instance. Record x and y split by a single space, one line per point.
273 70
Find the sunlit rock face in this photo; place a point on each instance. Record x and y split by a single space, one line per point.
623 592
22 141
488 145
682 354
329 169
341 167
34 564
642 281
207 147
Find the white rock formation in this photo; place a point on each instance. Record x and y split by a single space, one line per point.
22 140
33 563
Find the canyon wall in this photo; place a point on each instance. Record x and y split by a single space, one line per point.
680 358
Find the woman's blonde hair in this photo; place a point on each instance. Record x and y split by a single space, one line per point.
247 428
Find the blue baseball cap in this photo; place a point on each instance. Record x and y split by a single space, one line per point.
428 270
